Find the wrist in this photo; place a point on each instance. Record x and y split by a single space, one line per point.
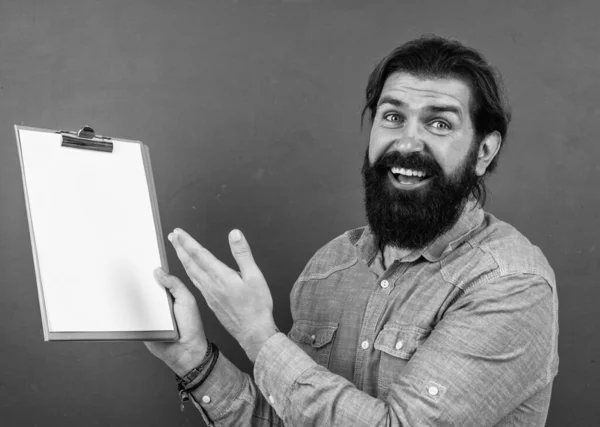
189 359
257 340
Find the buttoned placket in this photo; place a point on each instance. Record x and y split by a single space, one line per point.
373 313
387 281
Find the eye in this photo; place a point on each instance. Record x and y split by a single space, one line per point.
392 117
440 125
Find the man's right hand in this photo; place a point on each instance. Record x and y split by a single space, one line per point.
185 354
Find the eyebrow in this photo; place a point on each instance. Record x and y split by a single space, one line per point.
430 109
444 109
390 100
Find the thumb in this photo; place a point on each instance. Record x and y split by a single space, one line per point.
179 291
240 249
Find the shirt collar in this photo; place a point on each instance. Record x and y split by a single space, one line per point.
469 220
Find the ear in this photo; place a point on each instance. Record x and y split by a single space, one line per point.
488 148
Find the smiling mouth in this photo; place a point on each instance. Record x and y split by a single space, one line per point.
408 178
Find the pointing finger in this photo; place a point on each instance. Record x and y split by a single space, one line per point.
198 254
198 276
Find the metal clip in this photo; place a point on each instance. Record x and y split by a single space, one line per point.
86 138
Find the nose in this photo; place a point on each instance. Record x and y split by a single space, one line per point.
409 141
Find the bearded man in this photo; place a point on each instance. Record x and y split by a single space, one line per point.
436 313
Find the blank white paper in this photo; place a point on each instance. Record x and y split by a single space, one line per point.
95 236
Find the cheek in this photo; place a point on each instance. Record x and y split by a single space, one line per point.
377 145
450 157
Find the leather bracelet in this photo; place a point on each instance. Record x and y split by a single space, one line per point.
187 379
213 362
184 392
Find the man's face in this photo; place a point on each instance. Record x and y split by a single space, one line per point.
420 165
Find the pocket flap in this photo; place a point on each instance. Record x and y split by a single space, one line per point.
400 340
317 334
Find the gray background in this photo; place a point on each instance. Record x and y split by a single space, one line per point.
251 112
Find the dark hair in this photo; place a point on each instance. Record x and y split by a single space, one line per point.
431 56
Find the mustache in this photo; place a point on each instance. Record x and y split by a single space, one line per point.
407 161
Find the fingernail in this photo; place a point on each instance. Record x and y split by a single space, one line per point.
236 236
159 272
170 237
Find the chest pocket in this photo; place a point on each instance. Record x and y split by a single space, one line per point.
315 338
397 343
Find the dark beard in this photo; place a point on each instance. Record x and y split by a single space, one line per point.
413 219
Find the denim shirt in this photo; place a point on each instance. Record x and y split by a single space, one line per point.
463 332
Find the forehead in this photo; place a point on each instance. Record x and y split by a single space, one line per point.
419 92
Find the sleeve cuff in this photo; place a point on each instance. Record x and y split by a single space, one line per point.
277 367
224 384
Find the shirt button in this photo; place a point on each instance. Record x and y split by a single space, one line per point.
365 345
206 399
433 390
385 284
271 400
399 345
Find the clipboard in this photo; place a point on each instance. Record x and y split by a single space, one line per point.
96 236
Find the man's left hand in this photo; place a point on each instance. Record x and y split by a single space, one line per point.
241 301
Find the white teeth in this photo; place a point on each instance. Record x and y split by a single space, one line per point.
407 172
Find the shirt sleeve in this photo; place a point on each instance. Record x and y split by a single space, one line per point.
492 349
229 397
